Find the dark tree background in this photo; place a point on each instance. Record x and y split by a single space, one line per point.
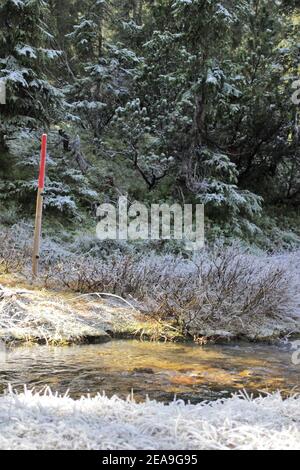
166 100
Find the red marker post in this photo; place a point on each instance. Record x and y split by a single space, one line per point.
39 209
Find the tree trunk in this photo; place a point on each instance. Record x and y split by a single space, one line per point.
78 155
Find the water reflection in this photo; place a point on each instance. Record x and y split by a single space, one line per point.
157 370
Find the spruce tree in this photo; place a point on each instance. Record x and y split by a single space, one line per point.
32 100
103 73
25 53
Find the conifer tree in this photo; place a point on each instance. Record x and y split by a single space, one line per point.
104 72
25 53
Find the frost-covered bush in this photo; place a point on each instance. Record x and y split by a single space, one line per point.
228 290
14 248
232 288
86 244
226 287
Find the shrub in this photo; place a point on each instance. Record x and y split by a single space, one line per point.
14 248
227 287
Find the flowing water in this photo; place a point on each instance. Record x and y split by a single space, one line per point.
159 371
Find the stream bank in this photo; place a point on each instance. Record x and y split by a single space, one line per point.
42 316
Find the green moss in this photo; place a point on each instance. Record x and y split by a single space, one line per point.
148 330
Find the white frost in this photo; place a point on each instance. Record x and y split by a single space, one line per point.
33 421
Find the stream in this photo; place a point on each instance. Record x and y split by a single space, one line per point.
159 371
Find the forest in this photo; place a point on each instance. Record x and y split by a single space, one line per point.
117 344
159 102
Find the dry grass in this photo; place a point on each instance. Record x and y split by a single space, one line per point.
34 315
224 292
28 316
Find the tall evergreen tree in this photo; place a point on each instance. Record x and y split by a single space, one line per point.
25 50
185 84
193 97
104 72
32 100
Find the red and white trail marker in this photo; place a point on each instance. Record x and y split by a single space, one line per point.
39 209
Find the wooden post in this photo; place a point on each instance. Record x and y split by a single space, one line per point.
39 209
